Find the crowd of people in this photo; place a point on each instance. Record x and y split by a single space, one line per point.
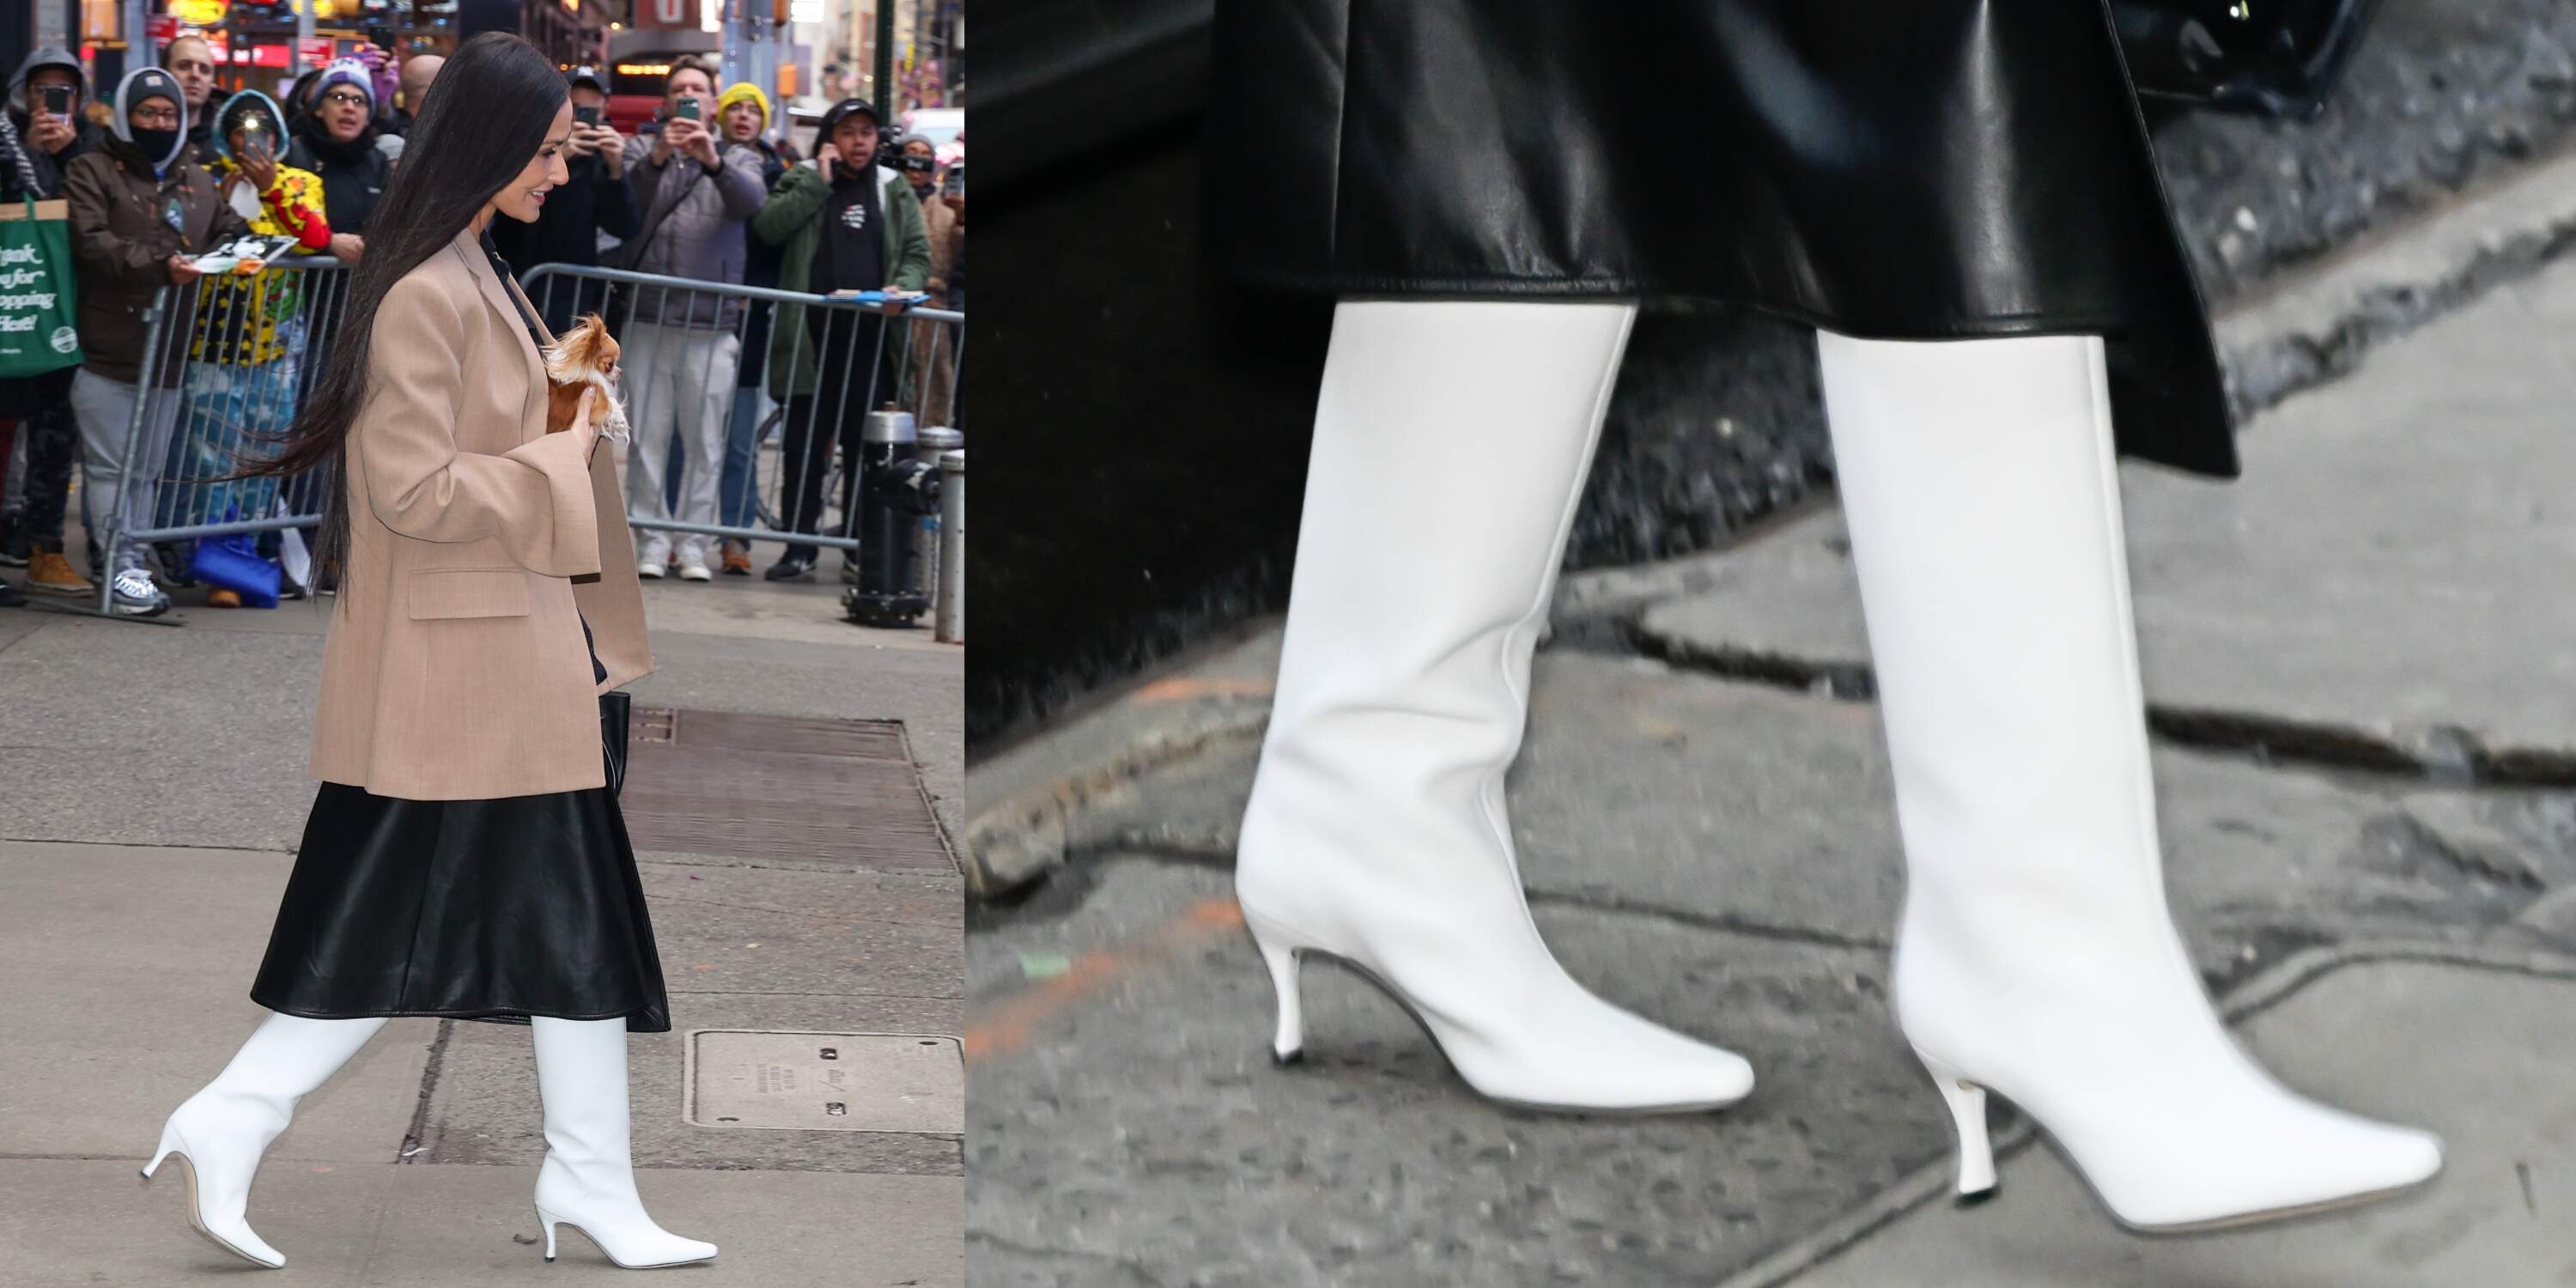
168 167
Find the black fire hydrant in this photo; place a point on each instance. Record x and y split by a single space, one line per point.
896 489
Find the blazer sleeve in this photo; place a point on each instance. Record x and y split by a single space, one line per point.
536 498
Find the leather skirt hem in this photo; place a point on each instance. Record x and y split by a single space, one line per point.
504 1015
1991 326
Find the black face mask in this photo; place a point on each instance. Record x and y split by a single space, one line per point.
155 144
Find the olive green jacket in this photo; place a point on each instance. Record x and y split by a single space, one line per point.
794 218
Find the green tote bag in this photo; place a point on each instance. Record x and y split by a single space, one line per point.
36 331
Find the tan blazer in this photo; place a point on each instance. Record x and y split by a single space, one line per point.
454 668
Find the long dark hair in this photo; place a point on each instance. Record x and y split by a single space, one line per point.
483 118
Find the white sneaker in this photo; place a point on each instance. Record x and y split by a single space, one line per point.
695 570
135 595
649 569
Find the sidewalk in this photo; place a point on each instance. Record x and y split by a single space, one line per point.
2358 660
154 794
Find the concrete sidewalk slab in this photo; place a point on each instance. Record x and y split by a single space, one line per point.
2478 1054
1137 1133
116 732
132 968
426 1226
2376 578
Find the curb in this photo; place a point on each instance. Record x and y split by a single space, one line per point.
1015 841
2318 322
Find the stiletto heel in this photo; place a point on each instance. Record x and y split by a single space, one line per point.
1967 1103
170 1144
1378 830
1288 1045
589 1170
2038 953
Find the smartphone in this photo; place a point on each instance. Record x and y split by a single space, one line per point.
382 36
954 184
688 109
586 115
58 100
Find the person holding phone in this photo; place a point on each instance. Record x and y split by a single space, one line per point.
846 223
247 348
697 188
743 111
46 94
593 199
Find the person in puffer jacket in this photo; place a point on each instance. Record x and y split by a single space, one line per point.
140 213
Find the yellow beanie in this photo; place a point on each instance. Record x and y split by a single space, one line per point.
737 92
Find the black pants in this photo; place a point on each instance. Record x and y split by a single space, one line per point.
846 385
53 446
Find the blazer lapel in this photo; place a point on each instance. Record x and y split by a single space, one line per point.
470 250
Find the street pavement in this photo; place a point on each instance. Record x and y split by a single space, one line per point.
2357 661
151 793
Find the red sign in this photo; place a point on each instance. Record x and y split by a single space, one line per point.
161 27
666 14
314 51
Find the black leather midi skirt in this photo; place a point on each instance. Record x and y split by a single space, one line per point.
1888 169
496 909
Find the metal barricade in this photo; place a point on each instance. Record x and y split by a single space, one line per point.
226 361
737 396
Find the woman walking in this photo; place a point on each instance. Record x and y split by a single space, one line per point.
465 857
1959 195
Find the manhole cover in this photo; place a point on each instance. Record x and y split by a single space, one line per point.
753 786
912 1082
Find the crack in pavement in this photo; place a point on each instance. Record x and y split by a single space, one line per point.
2447 754
1131 1265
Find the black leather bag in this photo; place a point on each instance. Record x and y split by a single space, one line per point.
615 709
2279 57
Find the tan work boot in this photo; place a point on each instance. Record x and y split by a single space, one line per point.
48 571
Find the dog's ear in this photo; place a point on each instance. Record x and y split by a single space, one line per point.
588 348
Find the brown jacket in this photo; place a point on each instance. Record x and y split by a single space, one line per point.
122 244
454 668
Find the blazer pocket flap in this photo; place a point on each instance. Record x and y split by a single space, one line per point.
467 592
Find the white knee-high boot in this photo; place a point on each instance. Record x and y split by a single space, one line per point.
588 1178
2037 956
1451 443
220 1132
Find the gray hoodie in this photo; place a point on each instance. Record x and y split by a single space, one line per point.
151 82
49 56
45 167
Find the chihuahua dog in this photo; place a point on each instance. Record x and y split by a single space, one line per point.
581 372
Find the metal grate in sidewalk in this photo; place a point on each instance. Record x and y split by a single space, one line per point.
780 787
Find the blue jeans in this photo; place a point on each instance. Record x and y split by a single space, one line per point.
736 488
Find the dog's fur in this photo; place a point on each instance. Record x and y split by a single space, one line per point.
581 370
